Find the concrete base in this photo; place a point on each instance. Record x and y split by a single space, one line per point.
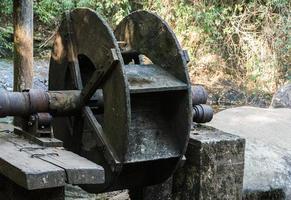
214 167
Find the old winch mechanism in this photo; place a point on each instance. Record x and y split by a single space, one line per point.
122 99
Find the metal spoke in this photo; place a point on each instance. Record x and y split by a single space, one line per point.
97 79
98 130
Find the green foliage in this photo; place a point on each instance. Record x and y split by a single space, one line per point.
48 11
6 7
114 10
6 46
250 37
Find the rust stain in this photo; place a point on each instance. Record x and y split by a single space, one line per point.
59 51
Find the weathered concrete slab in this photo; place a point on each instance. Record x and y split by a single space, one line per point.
270 126
268 147
214 167
35 167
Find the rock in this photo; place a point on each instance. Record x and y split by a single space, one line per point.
76 193
121 196
268 148
267 171
40 79
282 98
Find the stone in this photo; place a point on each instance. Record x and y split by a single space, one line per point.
40 79
267 172
214 166
282 98
162 191
76 193
121 196
268 149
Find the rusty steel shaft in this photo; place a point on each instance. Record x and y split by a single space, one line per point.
69 102
57 103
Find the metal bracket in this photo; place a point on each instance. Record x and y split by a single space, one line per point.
40 130
39 125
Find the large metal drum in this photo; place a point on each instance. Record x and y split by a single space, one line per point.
136 124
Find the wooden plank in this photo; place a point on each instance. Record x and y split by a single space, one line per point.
79 170
35 167
28 172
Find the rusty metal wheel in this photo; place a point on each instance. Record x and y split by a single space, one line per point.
84 45
136 118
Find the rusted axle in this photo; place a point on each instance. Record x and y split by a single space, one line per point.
26 103
69 102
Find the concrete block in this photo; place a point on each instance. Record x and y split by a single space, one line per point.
214 167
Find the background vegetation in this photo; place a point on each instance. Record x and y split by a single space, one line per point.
238 48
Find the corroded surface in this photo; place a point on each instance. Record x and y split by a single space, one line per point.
132 138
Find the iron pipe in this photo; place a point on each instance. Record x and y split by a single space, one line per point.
26 103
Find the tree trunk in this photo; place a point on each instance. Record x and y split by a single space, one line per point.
23 44
23 48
